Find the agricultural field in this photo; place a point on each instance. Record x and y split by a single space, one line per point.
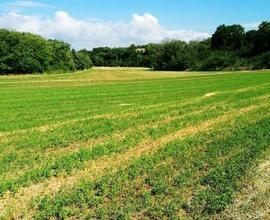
131 143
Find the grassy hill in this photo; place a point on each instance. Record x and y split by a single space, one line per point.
134 144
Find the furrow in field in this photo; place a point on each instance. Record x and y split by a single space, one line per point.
117 135
162 108
129 112
85 97
123 113
143 176
96 168
160 121
54 153
252 88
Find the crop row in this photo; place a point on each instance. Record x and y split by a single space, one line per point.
194 177
68 162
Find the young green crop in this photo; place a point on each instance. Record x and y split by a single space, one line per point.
157 186
152 144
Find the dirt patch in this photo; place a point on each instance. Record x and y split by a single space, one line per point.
125 104
210 94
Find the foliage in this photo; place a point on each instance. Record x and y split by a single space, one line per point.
82 60
171 56
28 53
62 59
228 37
132 56
23 53
229 48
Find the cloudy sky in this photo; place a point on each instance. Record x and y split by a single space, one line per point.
93 23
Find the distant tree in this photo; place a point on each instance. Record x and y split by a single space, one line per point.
220 61
30 53
262 41
228 37
264 27
171 56
229 48
62 58
196 52
249 47
98 56
23 52
261 61
82 60
150 54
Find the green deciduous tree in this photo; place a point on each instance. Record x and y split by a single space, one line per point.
82 60
228 37
28 53
171 56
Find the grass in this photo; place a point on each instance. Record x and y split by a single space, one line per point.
130 143
252 201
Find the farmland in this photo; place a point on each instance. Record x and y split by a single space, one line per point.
130 143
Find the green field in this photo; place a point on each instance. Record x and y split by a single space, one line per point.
128 143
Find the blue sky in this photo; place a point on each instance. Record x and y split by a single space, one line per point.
174 18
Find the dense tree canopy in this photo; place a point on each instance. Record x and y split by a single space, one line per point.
29 53
133 56
230 48
23 53
172 55
228 37
82 60
262 38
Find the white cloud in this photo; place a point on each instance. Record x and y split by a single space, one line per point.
251 26
92 33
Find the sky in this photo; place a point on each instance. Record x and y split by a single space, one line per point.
93 23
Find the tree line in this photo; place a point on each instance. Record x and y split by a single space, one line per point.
229 48
28 53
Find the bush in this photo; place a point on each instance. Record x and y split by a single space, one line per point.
219 61
261 62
